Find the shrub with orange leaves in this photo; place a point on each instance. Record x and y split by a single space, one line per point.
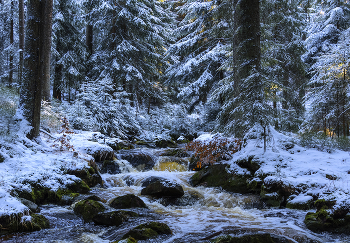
62 142
216 149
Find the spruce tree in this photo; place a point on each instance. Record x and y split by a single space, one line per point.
243 90
199 51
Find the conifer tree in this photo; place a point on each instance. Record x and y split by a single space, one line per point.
199 51
243 91
282 48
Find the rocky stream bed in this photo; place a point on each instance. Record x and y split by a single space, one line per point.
150 194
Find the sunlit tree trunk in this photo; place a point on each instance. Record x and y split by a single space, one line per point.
47 29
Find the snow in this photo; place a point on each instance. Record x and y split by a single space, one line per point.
42 164
313 172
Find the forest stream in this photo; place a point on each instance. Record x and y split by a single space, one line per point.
201 215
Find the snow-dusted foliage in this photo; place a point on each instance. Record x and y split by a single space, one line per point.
131 39
69 52
8 20
282 46
328 96
328 44
199 51
99 107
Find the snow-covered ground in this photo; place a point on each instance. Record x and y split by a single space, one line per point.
313 172
43 163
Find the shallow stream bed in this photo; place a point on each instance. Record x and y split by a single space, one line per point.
200 216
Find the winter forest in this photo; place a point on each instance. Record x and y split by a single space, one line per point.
174 121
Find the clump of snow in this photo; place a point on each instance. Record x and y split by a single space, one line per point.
313 172
299 199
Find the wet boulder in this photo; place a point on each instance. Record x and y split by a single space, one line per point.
110 167
148 230
336 221
88 209
89 175
114 218
34 208
163 188
140 161
219 176
166 144
127 201
22 223
301 202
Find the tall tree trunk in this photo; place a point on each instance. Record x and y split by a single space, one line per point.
57 94
11 43
21 38
47 25
89 38
31 89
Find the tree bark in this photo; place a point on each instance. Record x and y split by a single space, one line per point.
31 89
21 38
47 29
11 43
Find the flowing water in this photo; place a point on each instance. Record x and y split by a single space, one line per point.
200 216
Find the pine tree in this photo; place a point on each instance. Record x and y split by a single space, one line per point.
199 51
130 48
243 91
69 49
328 56
282 48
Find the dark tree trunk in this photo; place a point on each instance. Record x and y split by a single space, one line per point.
89 38
57 94
21 38
11 43
47 29
31 89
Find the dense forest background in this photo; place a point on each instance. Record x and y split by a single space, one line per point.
154 69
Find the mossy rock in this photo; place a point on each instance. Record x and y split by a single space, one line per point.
165 144
254 238
141 234
22 223
127 201
323 204
114 218
2 159
79 186
324 221
141 142
275 191
160 228
89 175
88 209
217 176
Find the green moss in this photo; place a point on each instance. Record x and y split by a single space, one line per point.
160 228
165 144
141 234
323 204
88 209
79 186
